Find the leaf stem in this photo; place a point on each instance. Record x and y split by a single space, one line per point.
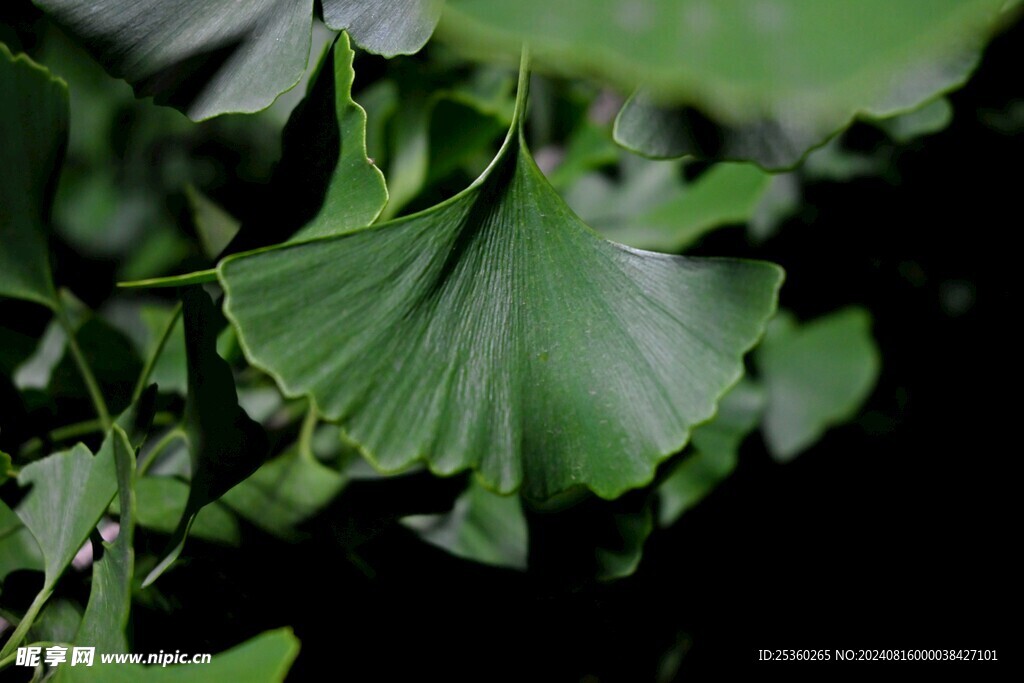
154 453
154 357
309 423
83 368
26 622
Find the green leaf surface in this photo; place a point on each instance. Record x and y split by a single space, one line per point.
385 27
284 492
326 138
57 623
496 331
34 129
714 454
106 614
225 444
931 118
204 58
652 207
815 375
482 526
263 659
623 546
69 493
170 369
214 225
18 548
780 76
161 503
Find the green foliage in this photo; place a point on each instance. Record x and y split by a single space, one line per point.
308 356
33 125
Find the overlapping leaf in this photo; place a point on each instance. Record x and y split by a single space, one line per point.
779 76
482 526
205 58
33 127
225 444
651 207
110 597
324 174
496 331
715 452
387 27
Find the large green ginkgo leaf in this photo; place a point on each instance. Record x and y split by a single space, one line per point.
780 76
204 58
496 331
387 27
33 131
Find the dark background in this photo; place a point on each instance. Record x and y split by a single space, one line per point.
893 532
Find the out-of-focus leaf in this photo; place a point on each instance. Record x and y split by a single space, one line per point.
170 372
161 502
652 207
620 553
931 118
18 549
33 128
780 77
714 452
442 124
482 526
206 58
385 27
57 623
6 468
590 147
835 163
112 358
263 659
225 444
110 598
284 492
815 375
503 335
215 226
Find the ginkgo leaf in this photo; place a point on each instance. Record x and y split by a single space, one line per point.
715 452
110 597
779 76
263 659
204 58
815 375
385 27
225 445
33 127
496 331
69 492
652 207
482 526
284 492
324 172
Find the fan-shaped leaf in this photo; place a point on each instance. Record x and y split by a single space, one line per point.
496 331
815 375
386 27
204 58
33 128
779 76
